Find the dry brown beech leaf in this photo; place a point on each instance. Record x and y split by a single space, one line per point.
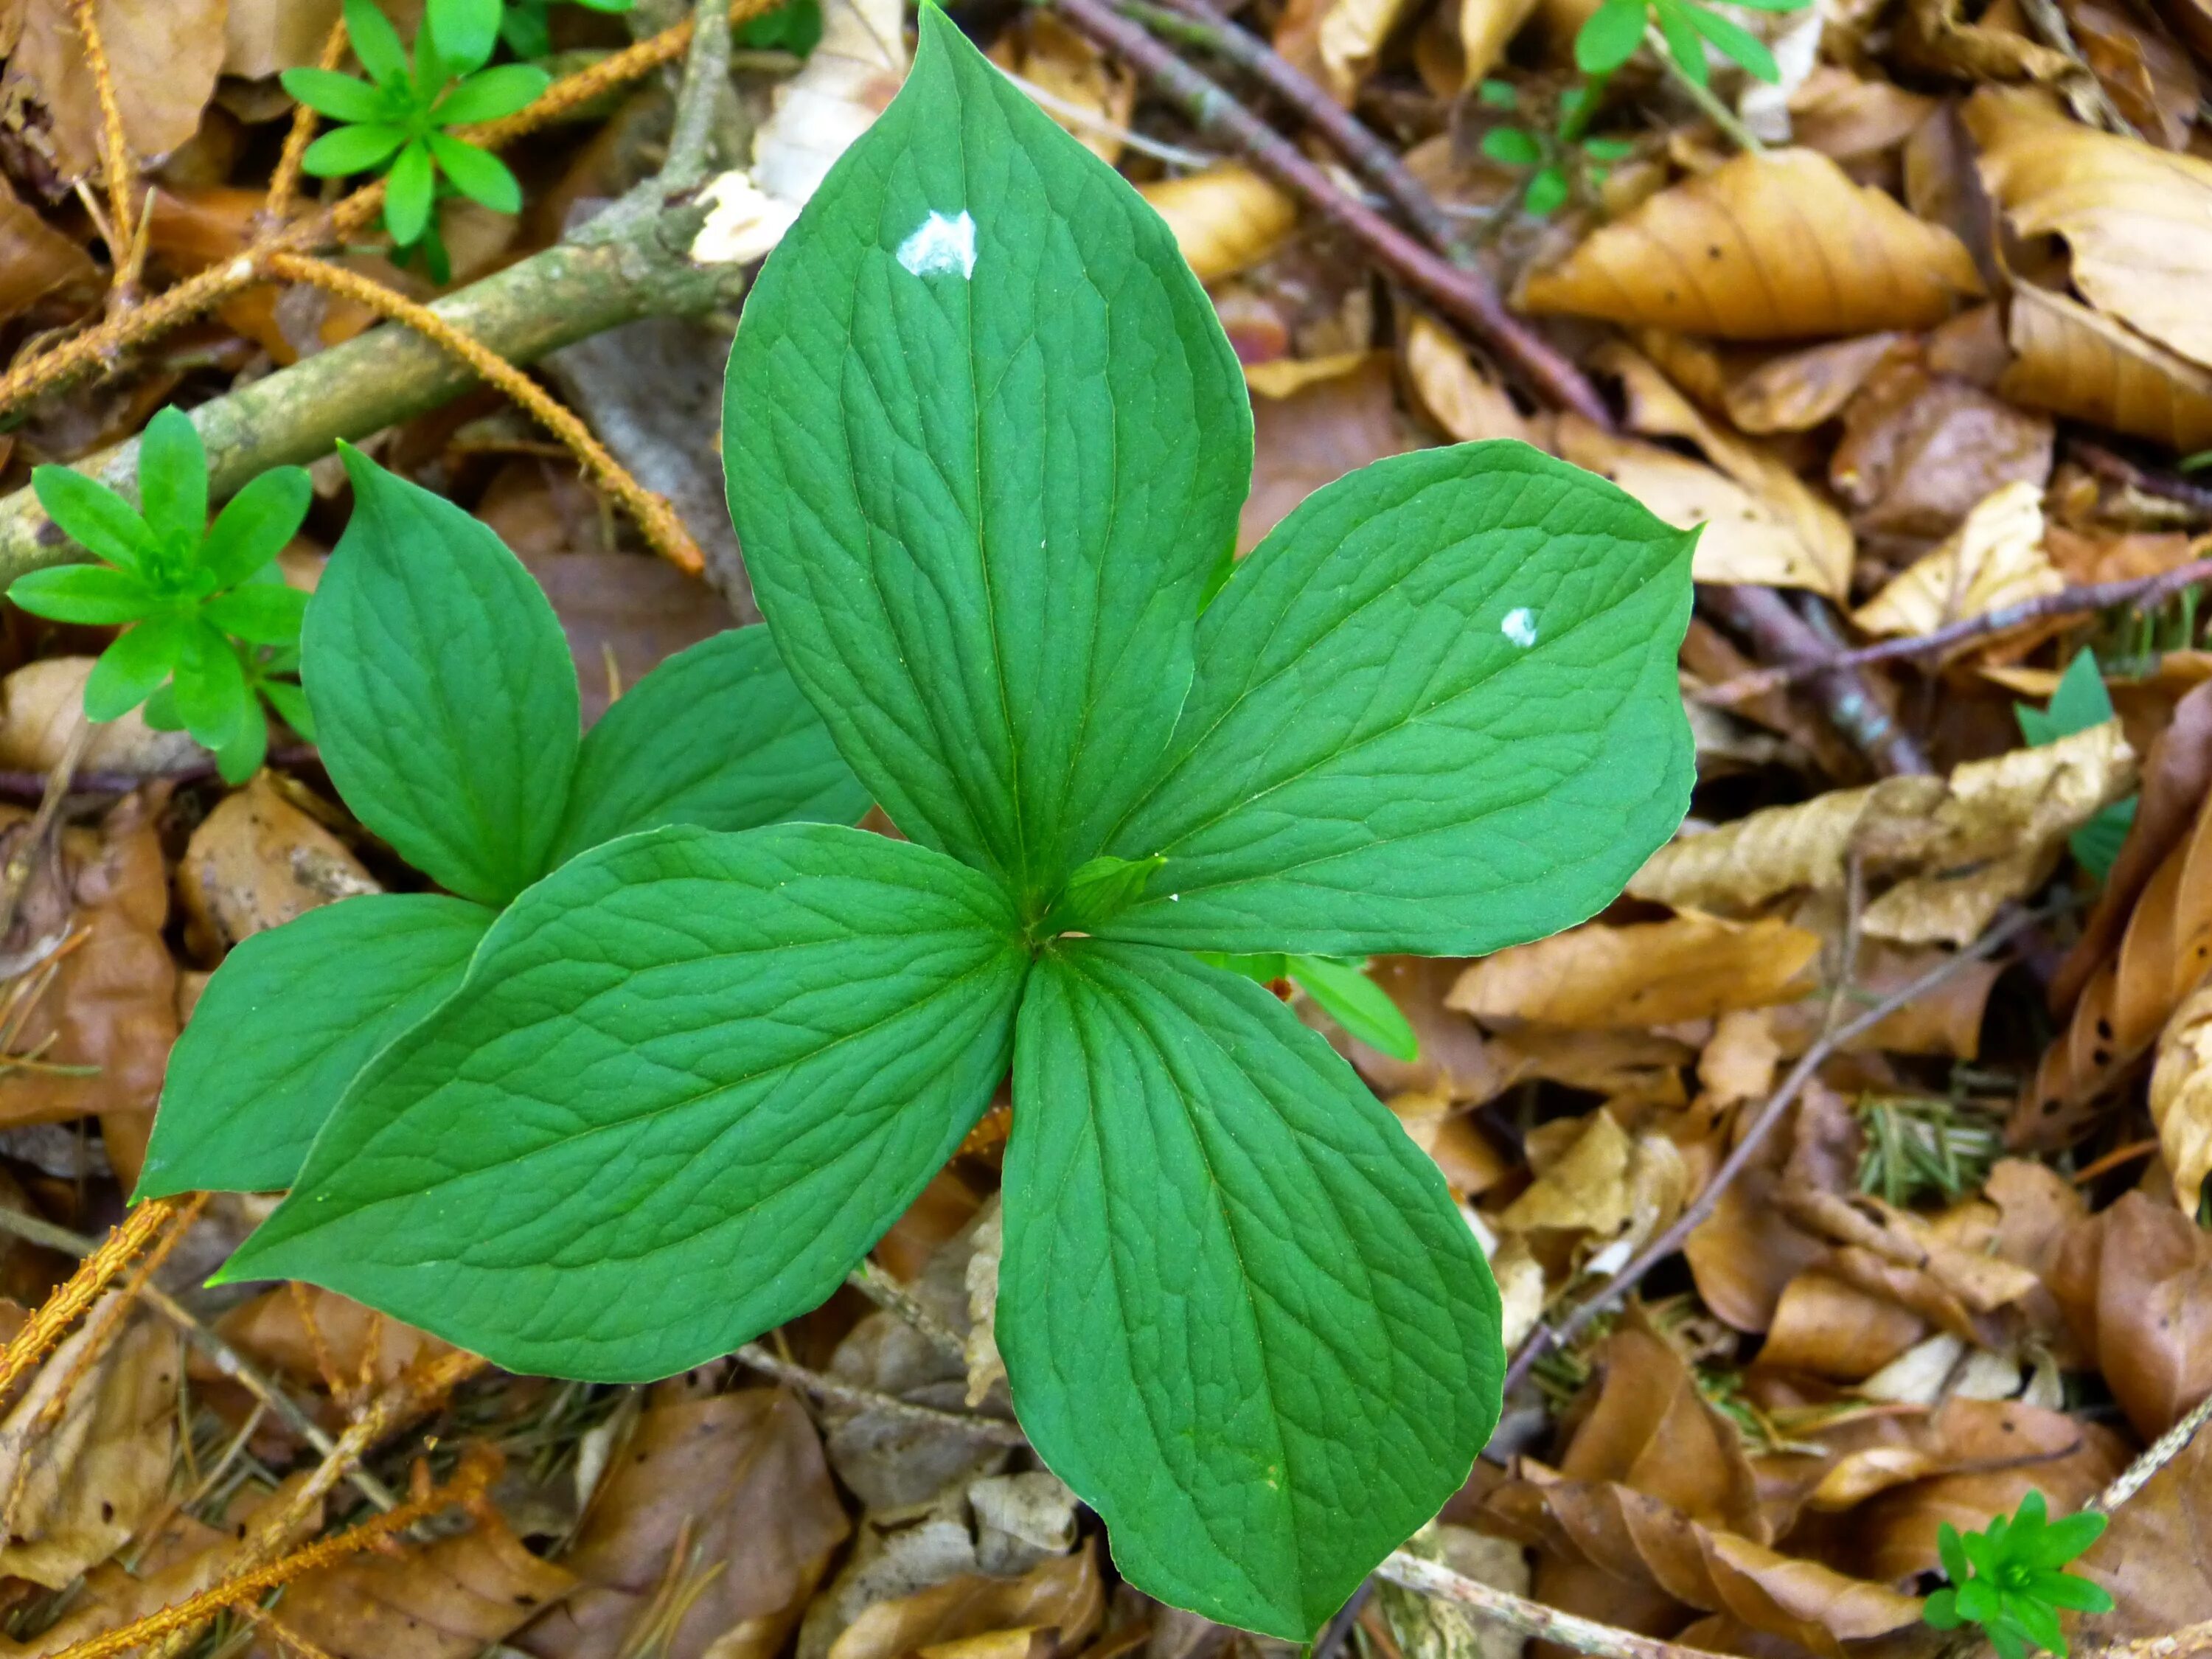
1062 1595
850 77
1851 119
1350 39
2151 1557
357 1341
35 258
1920 450
1773 246
1468 404
1935 35
447 1599
1796 391
1827 1326
1957 847
1053 57
1689 967
2181 1096
1225 219
1594 1179
2135 1282
42 706
1894 1535
164 56
2136 219
1486 29
2073 361
737 1480
1315 435
1996 558
257 861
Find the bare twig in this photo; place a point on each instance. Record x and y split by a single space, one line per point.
1465 296
1749 1141
1192 23
699 100
2163 1450
992 1429
1518 1612
284 183
78 1292
2143 593
107 1320
654 516
1765 617
227 1359
2171 486
887 1293
116 162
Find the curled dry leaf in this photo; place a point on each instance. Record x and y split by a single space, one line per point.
1960 847
2073 361
1060 1600
257 861
164 56
1996 558
2136 219
1690 967
1770 246
42 708
1826 1326
851 76
1468 404
443 1599
2136 1283
2181 1096
1225 219
1350 39
1486 27
1894 1535
1594 1179
739 1480
74 1488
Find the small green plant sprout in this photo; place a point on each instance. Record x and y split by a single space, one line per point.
986 445
396 121
447 704
1558 160
211 630
1339 988
527 28
1613 32
2079 703
2008 1579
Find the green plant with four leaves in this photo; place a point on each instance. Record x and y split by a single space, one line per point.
2007 1578
399 120
1609 37
447 707
986 445
211 630
1561 160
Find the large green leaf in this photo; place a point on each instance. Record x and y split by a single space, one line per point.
718 736
1242 1316
689 1080
1435 712
444 697
985 441
282 1029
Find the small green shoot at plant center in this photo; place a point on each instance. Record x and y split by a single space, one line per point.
1562 161
211 629
986 444
1612 34
397 121
2007 1578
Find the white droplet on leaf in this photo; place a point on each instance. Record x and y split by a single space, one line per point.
1519 625
941 247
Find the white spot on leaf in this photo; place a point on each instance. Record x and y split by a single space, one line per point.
941 247
1519 625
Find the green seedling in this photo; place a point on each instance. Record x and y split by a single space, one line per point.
1558 160
1613 32
211 630
986 445
399 121
526 27
446 702
2081 701
2008 1579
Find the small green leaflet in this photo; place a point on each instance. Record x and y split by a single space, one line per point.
1341 989
1244 1319
689 1078
287 1021
2081 701
986 440
444 697
1434 712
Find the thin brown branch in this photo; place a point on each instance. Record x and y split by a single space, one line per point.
887 1293
996 1431
2162 1451
107 1318
1748 1142
1193 23
662 529
2168 486
1518 1612
1466 296
1764 616
2143 593
121 171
